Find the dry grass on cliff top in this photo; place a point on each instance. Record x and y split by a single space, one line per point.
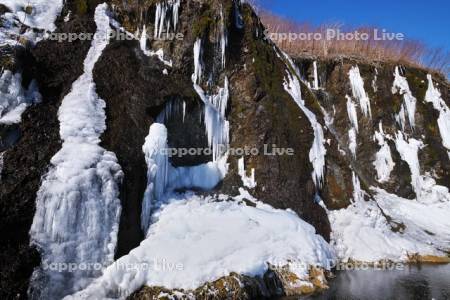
406 52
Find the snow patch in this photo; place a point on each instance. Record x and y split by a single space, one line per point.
248 181
77 206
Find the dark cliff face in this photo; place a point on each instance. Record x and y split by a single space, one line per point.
378 80
260 112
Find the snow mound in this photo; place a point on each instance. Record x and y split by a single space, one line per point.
197 240
361 232
77 206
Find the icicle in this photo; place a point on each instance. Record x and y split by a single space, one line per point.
408 151
352 141
316 77
352 115
143 40
358 194
157 170
223 38
163 22
198 67
384 164
246 180
358 91
401 86
374 81
433 96
184 110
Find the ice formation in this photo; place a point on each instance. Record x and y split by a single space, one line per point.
158 53
374 81
384 164
77 206
351 111
409 152
358 91
248 181
316 76
14 99
166 17
352 141
223 38
408 109
318 150
215 105
228 235
239 20
358 193
434 96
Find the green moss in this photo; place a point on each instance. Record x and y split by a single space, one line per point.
81 7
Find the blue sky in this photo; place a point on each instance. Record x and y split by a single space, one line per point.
425 20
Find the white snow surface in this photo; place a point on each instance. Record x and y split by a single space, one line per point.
208 240
77 206
357 85
361 232
248 181
44 12
318 150
408 109
14 99
433 96
384 164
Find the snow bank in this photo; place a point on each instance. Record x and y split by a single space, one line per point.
77 206
14 99
204 240
434 96
318 151
384 164
248 181
358 91
361 232
408 109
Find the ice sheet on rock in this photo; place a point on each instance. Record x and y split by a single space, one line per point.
361 232
77 207
358 193
248 181
357 85
318 150
408 109
409 152
433 96
351 111
384 164
352 143
14 99
228 235
166 17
